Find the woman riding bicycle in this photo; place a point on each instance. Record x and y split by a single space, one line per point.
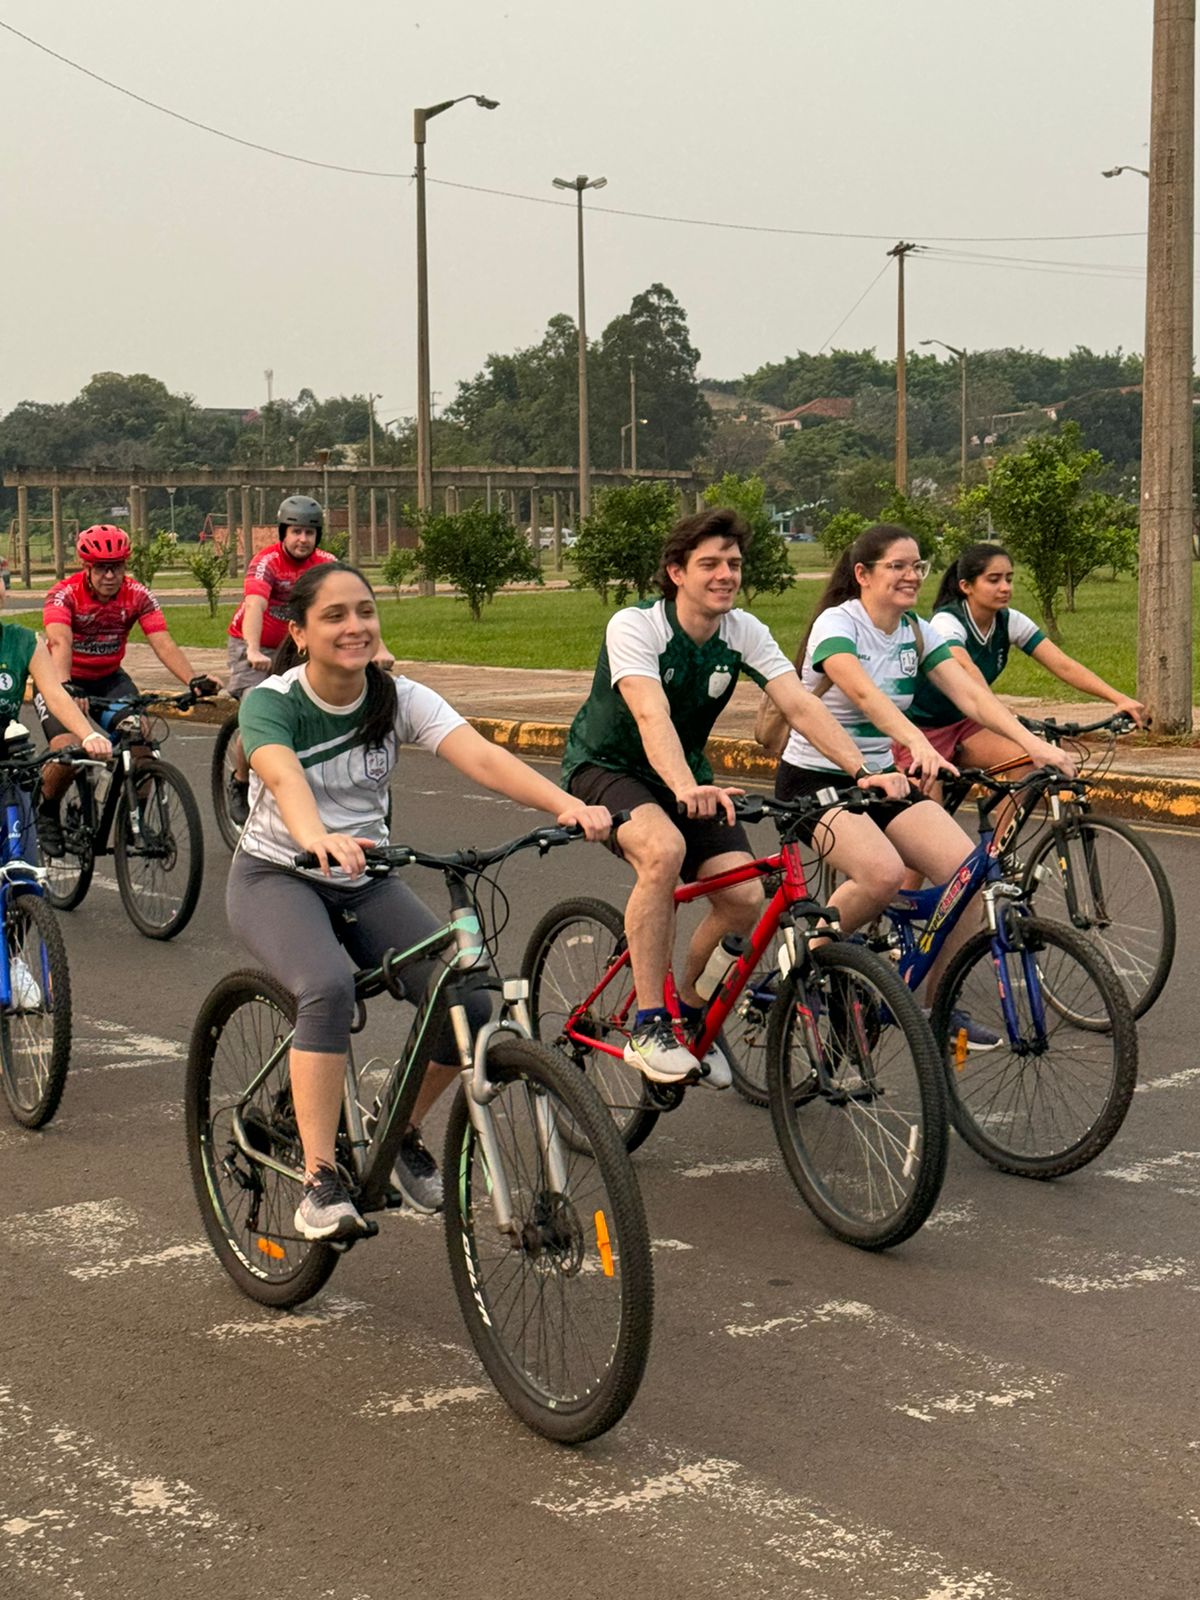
322 736
866 651
973 615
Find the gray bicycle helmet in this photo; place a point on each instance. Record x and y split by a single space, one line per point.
298 511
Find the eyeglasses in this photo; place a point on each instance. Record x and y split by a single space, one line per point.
921 569
108 566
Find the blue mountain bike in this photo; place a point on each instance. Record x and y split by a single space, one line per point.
35 987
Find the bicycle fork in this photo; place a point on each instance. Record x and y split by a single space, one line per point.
1000 903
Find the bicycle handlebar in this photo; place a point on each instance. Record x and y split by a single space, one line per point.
381 859
972 777
756 807
1118 722
131 703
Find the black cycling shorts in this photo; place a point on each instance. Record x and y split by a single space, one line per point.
794 783
113 686
703 837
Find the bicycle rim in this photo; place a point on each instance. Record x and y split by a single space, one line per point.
1047 1099
159 871
35 1031
567 956
247 1208
856 1098
221 772
559 1306
1123 902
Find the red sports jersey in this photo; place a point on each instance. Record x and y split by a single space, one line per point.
100 629
273 575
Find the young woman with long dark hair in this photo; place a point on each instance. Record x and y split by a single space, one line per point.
322 736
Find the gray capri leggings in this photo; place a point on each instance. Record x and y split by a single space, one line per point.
302 931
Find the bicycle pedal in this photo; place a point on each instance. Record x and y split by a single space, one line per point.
665 1096
370 1229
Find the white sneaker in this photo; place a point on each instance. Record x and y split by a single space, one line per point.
26 992
657 1054
719 1074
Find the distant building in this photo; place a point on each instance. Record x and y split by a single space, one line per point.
831 409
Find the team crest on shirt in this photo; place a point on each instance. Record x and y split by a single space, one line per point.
668 674
908 661
375 764
6 682
718 682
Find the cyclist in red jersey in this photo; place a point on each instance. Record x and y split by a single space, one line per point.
88 618
259 624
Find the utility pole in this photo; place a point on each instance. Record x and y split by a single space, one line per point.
900 251
1165 568
579 184
371 399
633 416
269 375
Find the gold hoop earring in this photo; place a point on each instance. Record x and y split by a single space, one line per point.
302 653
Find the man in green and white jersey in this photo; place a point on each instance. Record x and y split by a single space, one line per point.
666 671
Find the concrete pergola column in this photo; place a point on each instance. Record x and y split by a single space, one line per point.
391 518
23 532
247 535
451 503
60 570
230 524
352 524
556 505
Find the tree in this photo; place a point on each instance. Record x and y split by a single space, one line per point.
476 550
1109 421
620 545
653 334
916 515
1038 502
766 568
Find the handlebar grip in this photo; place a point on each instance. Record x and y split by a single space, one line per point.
306 858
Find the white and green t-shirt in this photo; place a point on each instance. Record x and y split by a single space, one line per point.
989 652
894 662
348 780
646 641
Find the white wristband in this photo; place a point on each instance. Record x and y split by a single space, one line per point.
90 736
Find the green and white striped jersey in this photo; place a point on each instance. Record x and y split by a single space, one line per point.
348 780
894 662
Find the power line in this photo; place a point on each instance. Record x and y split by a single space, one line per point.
854 307
534 199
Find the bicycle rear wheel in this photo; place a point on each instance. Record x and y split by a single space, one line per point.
559 1304
1050 1100
1123 902
568 954
856 1096
69 876
35 1030
219 777
160 868
248 1208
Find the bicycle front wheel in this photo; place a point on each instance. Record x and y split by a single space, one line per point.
558 1298
744 1036
565 961
220 775
248 1207
1052 1092
35 1029
1122 900
160 864
69 876
856 1096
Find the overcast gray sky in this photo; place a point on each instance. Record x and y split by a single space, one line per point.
134 243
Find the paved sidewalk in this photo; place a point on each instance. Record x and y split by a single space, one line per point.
529 711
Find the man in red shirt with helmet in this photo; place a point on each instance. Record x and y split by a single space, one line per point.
259 624
88 618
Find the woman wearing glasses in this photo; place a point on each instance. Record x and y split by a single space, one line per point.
866 652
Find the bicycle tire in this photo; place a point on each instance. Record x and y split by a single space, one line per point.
1139 951
219 775
247 1209
69 876
583 1254
35 1041
996 1094
160 876
744 1036
567 954
867 1147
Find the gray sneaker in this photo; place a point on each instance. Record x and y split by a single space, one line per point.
657 1054
327 1211
416 1175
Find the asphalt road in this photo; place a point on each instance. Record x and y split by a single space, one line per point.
1004 1408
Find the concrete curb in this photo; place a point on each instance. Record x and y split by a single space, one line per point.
1138 797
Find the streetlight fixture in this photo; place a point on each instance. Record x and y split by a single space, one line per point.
579 184
171 492
962 368
1115 172
627 428
421 117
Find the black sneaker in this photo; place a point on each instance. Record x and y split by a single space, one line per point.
237 798
416 1175
49 832
327 1211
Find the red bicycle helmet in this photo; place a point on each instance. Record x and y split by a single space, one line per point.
102 543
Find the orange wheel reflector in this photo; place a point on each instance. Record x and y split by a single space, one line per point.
603 1245
960 1049
270 1248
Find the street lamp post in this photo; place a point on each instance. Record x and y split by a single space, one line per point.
579 184
1115 172
422 116
171 492
631 429
962 371
371 399
633 416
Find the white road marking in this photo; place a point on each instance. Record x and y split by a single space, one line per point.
102 1045
1122 1277
157 1258
1147 1171
959 1214
716 1169
970 1401
761 1540
281 1327
670 1244
1173 1080
425 1401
